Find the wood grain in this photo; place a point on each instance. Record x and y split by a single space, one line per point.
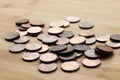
105 14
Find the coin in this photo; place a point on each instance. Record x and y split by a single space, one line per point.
102 37
43 35
33 46
66 23
79 55
58 48
26 26
70 66
22 33
62 41
91 63
47 68
86 25
21 40
113 44
77 40
48 57
55 30
37 23
67 34
91 40
22 21
34 30
56 24
73 19
17 48
87 33
44 48
29 56
115 37
12 36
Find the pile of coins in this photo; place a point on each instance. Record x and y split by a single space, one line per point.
60 44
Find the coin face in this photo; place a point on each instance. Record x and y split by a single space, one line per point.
37 23
48 57
58 48
44 48
55 30
67 34
62 41
73 19
115 37
26 26
56 24
86 25
34 30
44 35
22 33
91 40
113 44
91 63
46 68
66 23
87 33
21 40
102 37
22 21
70 66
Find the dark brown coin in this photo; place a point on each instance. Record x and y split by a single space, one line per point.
22 29
17 48
56 24
73 19
55 30
67 34
58 48
26 26
86 25
44 35
34 30
66 23
81 47
47 68
91 54
113 44
77 40
87 33
102 37
62 41
22 21
22 40
70 66
12 36
91 63
33 46
22 33
37 23
49 39
91 40
30 56
115 37
48 57
44 48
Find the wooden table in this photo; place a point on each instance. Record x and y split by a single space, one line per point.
105 14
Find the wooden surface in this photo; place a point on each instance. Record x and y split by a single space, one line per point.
105 14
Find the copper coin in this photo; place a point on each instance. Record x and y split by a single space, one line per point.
34 30
77 40
17 48
49 39
86 25
33 46
102 37
73 19
22 21
22 29
21 40
30 56
37 23
48 57
12 36
62 41
91 54
26 26
79 55
22 33
44 35
91 63
55 30
113 44
115 37
58 48
44 48
56 24
70 66
47 68
66 23
67 34
87 33
91 40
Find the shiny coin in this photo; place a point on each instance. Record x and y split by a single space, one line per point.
67 34
21 40
22 21
22 33
58 48
56 24
55 30
113 44
66 23
44 35
34 30
73 19
87 33
102 37
91 40
115 37
37 23
62 41
86 25
44 48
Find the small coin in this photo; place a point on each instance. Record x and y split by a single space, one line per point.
34 30
115 37
55 30
37 23
67 34
79 55
56 24
44 48
62 41
66 23
91 54
91 63
33 46
58 48
30 56
86 25
70 66
26 26
48 57
113 44
22 29
22 33
21 40
43 35
102 37
91 40
17 48
73 19
47 68
87 33
12 36
22 21
77 40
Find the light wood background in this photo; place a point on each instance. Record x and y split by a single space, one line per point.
105 14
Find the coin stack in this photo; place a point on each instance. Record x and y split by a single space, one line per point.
61 44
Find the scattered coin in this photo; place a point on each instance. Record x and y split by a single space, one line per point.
113 44
70 66
91 40
87 33
22 21
86 25
37 23
34 30
44 48
43 35
47 68
62 41
66 23
56 24
58 48
55 30
115 37
21 40
67 34
102 37
79 55
22 33
73 19
26 26
22 29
